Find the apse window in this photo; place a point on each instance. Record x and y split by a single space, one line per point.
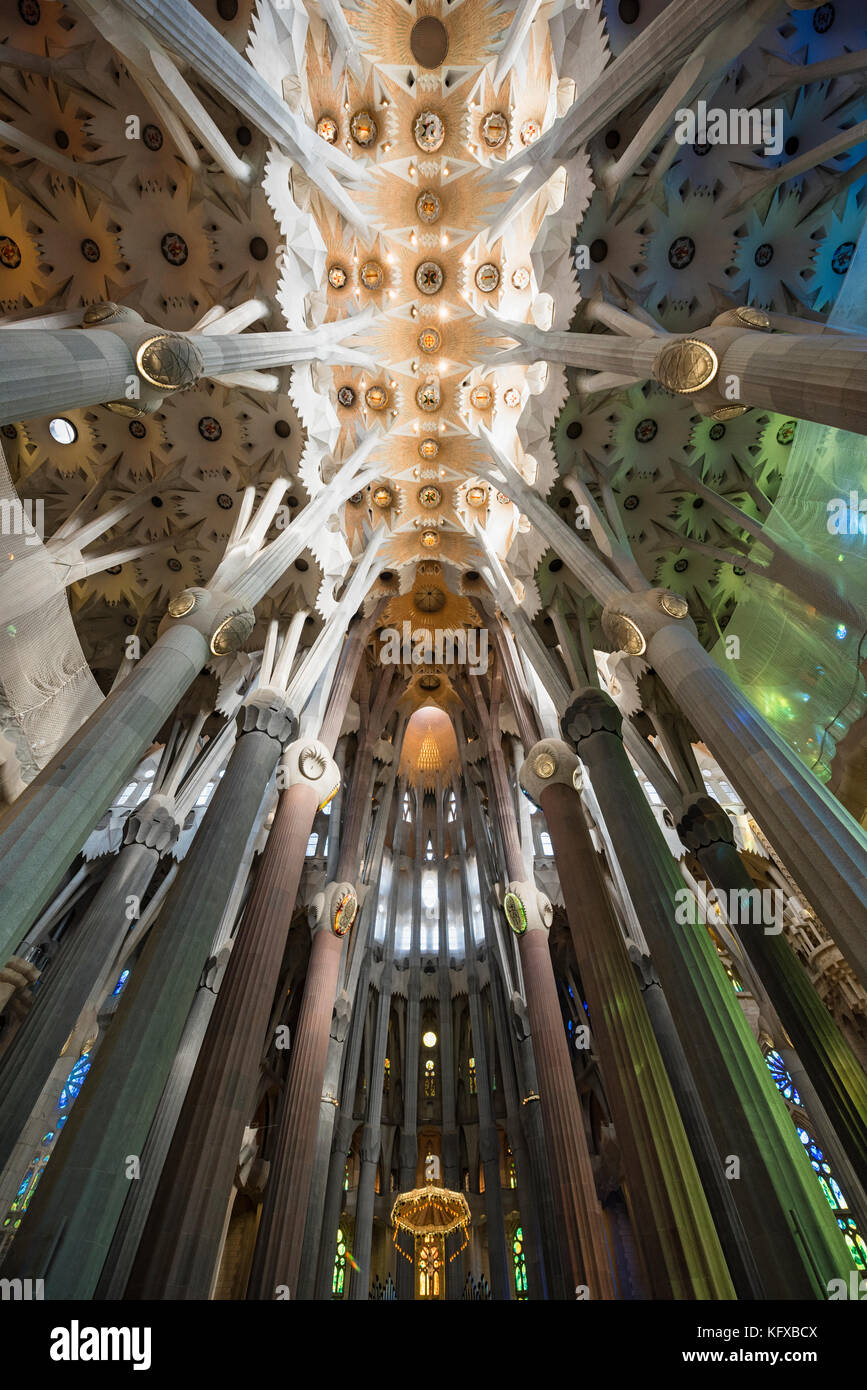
62 431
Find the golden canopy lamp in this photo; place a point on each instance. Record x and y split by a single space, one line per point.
430 1211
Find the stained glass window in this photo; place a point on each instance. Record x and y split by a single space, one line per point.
339 1276
836 1200
473 1081
520 1264
74 1081
430 1078
513 1177
386 1080
782 1077
124 976
430 1260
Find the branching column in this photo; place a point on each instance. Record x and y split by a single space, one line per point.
671 1217
828 1059
72 1218
582 1231
792 1234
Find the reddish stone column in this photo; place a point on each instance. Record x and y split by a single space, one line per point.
582 1230
672 1221
281 1230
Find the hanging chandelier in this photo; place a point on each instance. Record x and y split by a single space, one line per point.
430 1211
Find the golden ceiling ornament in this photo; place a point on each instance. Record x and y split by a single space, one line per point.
371 275
686 366
428 206
430 1211
182 604
429 495
430 539
362 128
232 633
429 339
428 131
337 277
428 397
544 766
495 129
753 318
428 448
327 129
170 361
728 412
481 397
624 633
383 497
675 605
376 397
487 277
477 495
429 277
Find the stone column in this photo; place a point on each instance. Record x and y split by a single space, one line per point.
409 1129
526 1136
150 831
791 1232
790 805
830 1064
281 1230
584 1247
670 1214
71 1220
355 986
371 1141
181 1242
46 826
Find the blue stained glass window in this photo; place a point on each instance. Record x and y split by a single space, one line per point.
782 1077
74 1081
124 976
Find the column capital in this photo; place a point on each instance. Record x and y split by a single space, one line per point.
153 824
307 760
631 620
592 711
524 907
224 621
549 762
164 361
334 909
703 822
267 711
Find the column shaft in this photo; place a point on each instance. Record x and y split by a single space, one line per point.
281 1230
71 1221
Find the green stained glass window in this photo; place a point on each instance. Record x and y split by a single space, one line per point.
339 1276
520 1263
